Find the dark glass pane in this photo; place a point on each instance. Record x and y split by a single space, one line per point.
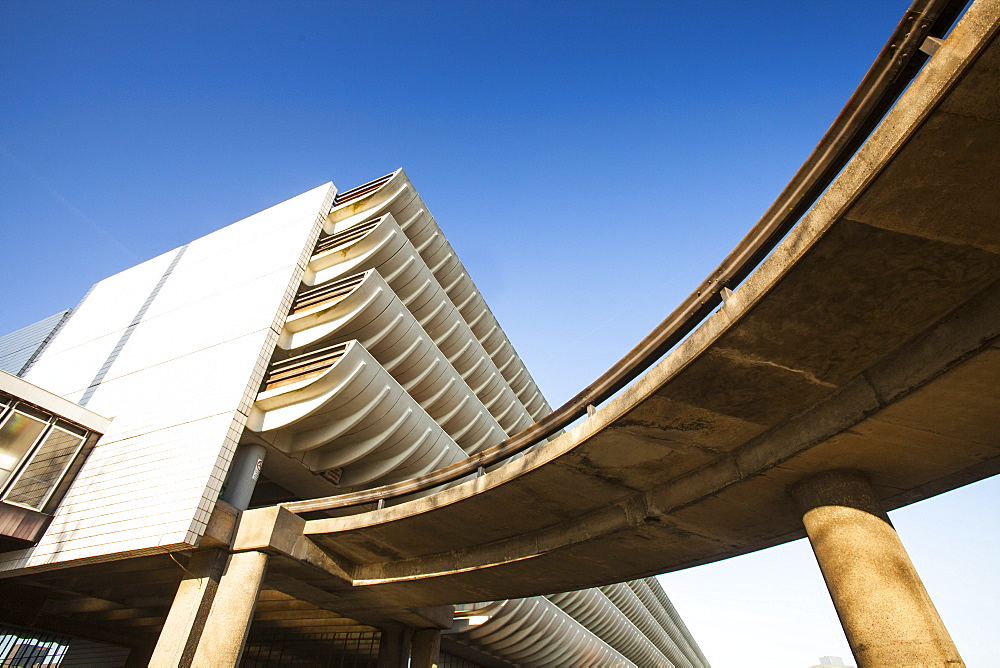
17 434
45 469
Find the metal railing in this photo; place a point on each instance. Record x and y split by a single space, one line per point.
344 238
326 293
893 69
302 367
360 191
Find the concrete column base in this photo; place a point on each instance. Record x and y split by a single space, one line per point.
886 613
229 619
425 648
183 627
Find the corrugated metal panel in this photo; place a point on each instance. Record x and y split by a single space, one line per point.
18 348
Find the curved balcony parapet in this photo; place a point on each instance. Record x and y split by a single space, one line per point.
626 600
337 409
363 307
396 195
668 606
368 196
360 191
384 247
644 589
595 611
536 632
369 244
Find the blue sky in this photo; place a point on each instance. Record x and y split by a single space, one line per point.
590 161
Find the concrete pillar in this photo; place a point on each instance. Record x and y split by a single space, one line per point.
243 475
394 646
886 613
425 648
229 619
183 627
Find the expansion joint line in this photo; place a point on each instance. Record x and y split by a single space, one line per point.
99 378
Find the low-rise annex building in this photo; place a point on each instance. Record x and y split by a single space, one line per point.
331 343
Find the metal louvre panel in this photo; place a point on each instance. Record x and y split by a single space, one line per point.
397 195
371 313
353 416
386 249
535 632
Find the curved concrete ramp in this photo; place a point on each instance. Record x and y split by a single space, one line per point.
868 340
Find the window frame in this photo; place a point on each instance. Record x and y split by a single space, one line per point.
9 406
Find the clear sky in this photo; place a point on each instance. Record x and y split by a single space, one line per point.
590 161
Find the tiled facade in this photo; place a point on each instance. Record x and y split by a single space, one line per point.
179 385
175 352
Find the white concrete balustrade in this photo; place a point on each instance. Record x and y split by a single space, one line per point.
626 600
364 308
653 597
536 632
351 415
595 611
398 197
671 611
384 247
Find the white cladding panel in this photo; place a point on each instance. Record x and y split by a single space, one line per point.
177 381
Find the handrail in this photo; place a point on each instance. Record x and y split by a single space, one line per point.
359 191
298 368
340 239
893 69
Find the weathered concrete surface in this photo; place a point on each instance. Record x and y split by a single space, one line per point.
425 647
225 629
869 340
394 647
886 613
178 640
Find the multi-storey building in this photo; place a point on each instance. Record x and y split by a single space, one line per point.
331 343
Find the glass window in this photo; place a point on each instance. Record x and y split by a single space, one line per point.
36 482
18 433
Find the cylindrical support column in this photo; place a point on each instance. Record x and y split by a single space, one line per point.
229 620
243 475
886 613
425 648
